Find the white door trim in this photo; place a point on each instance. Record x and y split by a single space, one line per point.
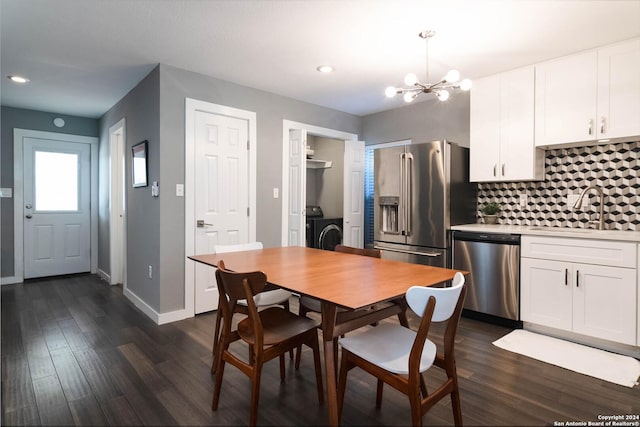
288 125
18 189
117 237
191 106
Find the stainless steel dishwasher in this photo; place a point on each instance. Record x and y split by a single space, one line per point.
493 262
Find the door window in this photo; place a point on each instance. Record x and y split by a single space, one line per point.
56 181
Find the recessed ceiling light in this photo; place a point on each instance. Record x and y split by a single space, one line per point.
325 68
18 79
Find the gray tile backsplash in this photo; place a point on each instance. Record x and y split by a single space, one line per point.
613 167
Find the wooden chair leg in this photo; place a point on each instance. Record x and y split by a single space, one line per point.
287 307
216 341
302 312
342 382
455 403
255 392
218 385
379 390
416 408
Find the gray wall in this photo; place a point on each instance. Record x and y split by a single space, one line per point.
271 110
429 120
329 182
141 109
11 118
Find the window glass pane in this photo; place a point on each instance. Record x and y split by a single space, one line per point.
56 181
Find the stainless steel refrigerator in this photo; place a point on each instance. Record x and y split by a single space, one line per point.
421 190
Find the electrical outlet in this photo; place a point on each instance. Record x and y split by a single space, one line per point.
150 272
523 200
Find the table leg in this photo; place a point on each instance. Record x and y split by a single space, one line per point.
328 324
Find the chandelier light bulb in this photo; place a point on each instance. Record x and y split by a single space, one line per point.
410 79
465 84
452 76
390 92
408 97
442 95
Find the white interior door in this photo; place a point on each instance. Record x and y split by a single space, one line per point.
221 194
57 220
297 187
117 248
353 226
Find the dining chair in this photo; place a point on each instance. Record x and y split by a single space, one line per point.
269 333
264 299
398 356
308 304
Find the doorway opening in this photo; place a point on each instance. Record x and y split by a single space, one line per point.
296 181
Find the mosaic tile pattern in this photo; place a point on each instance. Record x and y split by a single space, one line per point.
615 168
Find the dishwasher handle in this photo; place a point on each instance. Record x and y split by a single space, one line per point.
431 254
473 236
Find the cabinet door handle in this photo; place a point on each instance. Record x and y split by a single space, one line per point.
590 126
503 169
494 169
577 278
602 125
566 276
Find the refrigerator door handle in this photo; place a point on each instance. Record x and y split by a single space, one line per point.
429 254
402 206
409 192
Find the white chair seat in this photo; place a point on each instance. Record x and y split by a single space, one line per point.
277 296
388 346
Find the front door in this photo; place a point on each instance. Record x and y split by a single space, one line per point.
57 188
221 194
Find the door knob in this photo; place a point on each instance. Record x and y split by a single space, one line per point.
28 216
201 223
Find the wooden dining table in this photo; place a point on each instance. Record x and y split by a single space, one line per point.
351 282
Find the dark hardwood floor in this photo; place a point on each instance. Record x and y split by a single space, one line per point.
76 352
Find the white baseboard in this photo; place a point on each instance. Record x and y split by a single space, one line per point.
10 280
158 318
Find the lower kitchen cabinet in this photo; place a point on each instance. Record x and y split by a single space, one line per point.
595 300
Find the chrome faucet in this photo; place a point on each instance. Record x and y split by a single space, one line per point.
601 194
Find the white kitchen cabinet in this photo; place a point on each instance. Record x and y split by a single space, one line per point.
596 298
589 96
619 90
545 298
501 128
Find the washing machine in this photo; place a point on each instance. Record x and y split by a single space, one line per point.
322 233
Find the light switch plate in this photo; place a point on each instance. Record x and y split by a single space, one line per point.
180 190
523 200
276 193
6 192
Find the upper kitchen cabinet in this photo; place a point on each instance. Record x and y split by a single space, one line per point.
589 96
501 128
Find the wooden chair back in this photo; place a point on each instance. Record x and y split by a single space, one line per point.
374 253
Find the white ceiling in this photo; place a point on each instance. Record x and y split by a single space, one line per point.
82 56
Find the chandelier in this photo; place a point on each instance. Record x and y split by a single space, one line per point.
440 89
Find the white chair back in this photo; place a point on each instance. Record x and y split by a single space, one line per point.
221 249
446 298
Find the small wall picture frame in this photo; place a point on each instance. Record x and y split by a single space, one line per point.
139 173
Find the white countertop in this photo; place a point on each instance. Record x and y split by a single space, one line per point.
536 230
